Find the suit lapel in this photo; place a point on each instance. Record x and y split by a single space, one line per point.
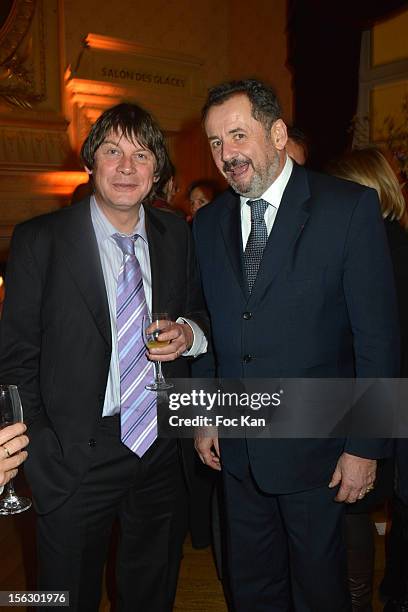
161 260
230 221
82 256
291 218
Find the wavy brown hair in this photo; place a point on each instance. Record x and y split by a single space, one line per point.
135 124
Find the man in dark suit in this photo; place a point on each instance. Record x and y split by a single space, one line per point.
61 333
298 283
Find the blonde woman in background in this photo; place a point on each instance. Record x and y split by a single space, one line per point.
369 167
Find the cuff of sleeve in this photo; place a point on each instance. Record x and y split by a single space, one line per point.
200 343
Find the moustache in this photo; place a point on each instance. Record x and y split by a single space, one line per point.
233 163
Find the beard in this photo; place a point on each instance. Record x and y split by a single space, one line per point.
262 176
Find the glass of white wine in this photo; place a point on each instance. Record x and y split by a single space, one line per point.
11 411
153 326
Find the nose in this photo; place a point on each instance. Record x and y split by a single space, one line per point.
228 151
126 165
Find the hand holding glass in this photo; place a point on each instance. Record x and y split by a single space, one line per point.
11 411
153 326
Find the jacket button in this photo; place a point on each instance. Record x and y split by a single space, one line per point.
247 316
247 358
92 442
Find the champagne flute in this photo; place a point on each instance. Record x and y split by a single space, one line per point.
153 326
11 411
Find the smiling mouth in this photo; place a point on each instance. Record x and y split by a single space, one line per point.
236 168
125 186
239 170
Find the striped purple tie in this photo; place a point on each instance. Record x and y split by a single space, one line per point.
138 407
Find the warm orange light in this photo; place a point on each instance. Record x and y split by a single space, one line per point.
2 292
59 183
97 41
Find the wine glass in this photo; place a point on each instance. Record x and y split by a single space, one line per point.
153 326
11 411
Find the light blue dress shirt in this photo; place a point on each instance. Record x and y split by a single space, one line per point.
111 260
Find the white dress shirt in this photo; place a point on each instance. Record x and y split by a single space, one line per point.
111 260
273 195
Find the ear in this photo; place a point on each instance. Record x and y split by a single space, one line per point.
88 171
155 178
279 134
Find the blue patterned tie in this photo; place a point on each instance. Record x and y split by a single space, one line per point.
257 240
138 407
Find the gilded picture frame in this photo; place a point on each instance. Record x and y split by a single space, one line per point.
21 83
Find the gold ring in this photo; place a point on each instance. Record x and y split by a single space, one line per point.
8 454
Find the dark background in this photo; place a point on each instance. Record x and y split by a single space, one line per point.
324 39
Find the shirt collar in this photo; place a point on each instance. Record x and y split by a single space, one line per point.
104 229
273 195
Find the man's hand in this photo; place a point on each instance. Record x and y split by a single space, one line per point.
11 442
356 477
207 447
181 339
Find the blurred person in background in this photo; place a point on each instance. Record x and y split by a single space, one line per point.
166 190
296 145
369 167
82 191
200 193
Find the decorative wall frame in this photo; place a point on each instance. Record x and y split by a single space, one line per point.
22 51
34 145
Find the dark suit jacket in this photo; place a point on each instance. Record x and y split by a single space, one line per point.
323 305
55 336
398 241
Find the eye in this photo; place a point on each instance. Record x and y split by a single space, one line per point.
215 144
142 156
239 136
112 151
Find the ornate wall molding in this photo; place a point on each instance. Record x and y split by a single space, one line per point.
14 28
22 55
34 143
109 70
33 148
28 194
33 132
